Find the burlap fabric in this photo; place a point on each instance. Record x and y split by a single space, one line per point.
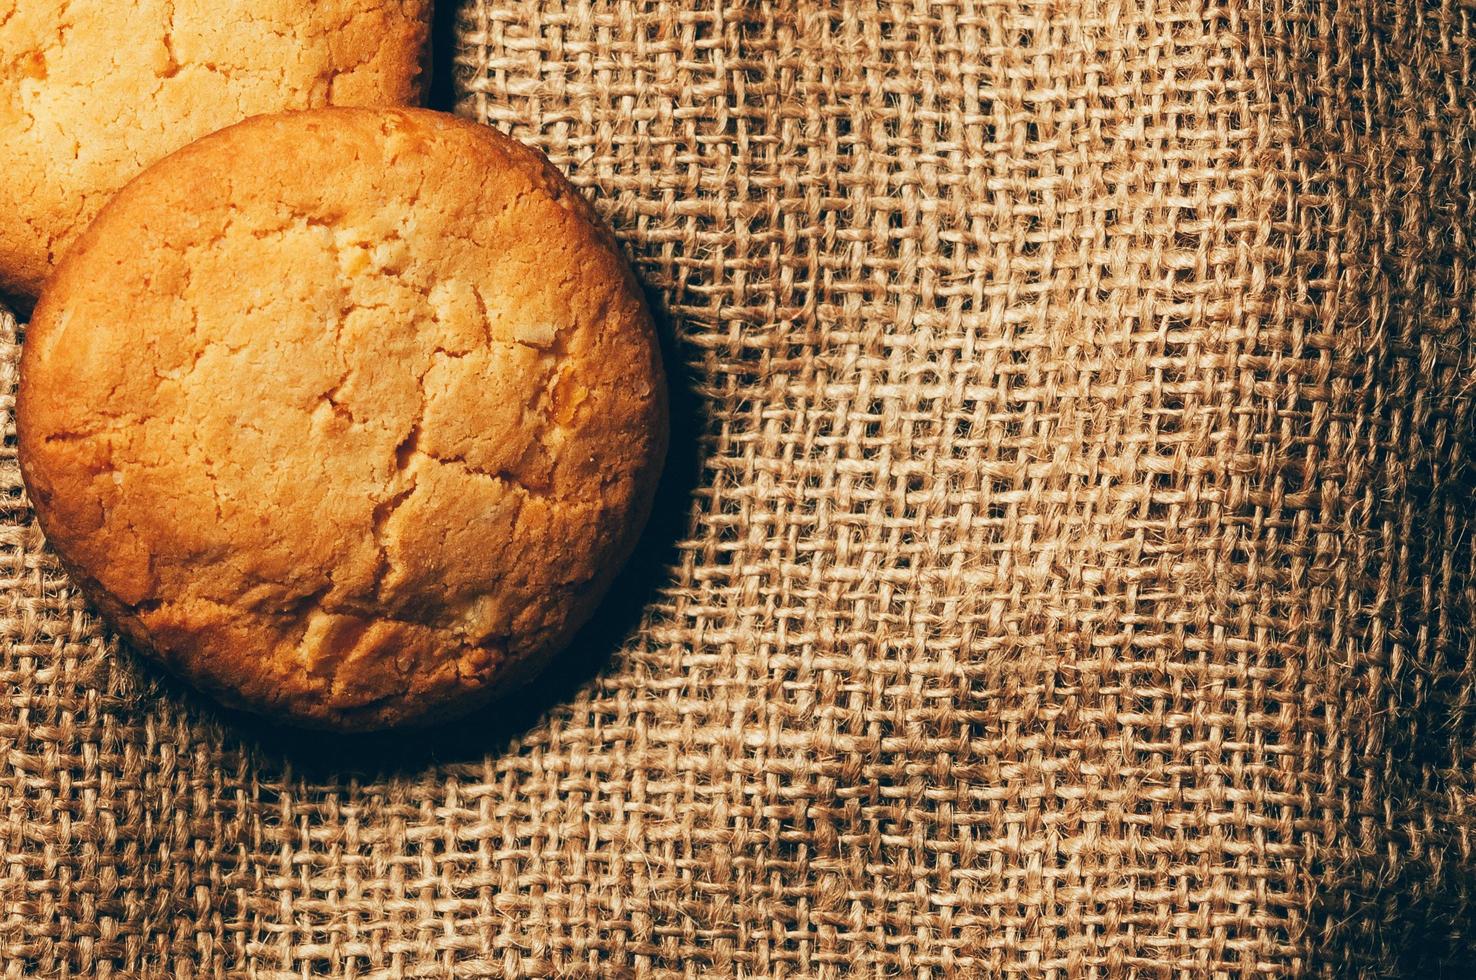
1073 567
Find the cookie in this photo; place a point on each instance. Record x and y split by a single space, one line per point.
348 415
93 91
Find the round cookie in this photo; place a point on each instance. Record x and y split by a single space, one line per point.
93 91
348 415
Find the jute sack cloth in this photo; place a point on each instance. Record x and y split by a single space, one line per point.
1072 521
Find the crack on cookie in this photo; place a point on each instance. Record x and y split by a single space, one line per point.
506 476
383 512
484 318
331 77
330 397
299 607
115 424
407 448
356 12
63 23
338 408
356 611
171 69
366 707
554 346
213 476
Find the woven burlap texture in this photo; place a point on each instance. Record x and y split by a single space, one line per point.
1072 571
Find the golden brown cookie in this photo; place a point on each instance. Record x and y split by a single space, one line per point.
348 415
93 91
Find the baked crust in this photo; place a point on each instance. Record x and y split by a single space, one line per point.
348 415
92 91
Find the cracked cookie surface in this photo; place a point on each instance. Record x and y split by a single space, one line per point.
348 415
93 91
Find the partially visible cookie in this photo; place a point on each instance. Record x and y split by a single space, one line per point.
93 91
350 416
